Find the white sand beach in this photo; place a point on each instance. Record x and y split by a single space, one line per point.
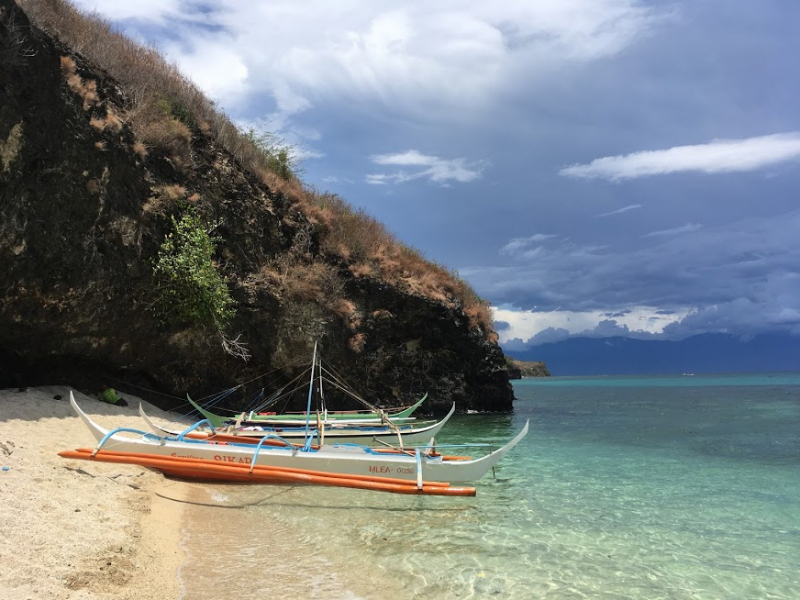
73 529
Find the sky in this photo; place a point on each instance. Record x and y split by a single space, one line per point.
592 167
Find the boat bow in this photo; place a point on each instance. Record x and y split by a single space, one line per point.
97 431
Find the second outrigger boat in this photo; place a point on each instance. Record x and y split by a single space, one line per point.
419 432
371 415
343 417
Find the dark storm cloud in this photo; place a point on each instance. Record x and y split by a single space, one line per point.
621 313
732 275
501 326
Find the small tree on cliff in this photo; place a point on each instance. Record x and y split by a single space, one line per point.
189 286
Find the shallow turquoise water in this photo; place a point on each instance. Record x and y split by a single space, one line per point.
631 487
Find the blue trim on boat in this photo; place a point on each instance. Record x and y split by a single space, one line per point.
193 427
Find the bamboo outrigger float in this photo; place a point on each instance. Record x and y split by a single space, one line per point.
421 471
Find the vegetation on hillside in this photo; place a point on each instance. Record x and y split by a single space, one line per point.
165 110
190 289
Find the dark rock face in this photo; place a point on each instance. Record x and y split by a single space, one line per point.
77 244
514 372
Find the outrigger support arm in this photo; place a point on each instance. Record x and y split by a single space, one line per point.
261 443
111 433
193 427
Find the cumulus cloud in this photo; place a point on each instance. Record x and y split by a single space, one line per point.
515 345
719 156
546 336
603 329
415 165
418 58
215 66
532 327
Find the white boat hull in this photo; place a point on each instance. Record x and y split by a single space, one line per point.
340 459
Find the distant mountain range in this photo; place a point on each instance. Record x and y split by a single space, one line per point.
707 353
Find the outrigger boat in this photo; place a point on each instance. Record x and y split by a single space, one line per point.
368 427
273 460
366 433
257 417
343 417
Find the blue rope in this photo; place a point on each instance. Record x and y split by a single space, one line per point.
219 397
309 439
255 401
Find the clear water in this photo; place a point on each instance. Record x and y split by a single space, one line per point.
625 488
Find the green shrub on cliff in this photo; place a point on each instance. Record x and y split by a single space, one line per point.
190 289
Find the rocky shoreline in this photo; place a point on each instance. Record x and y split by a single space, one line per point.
517 369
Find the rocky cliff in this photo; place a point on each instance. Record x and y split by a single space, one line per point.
85 208
517 369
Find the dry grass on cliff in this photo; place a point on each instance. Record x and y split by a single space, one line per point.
372 250
160 99
164 107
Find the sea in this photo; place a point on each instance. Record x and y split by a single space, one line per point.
658 487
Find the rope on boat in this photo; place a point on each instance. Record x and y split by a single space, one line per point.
220 397
280 394
326 373
258 397
258 404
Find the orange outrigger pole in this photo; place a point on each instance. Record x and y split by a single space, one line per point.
197 468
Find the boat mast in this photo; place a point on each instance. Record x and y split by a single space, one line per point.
310 392
322 393
324 416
